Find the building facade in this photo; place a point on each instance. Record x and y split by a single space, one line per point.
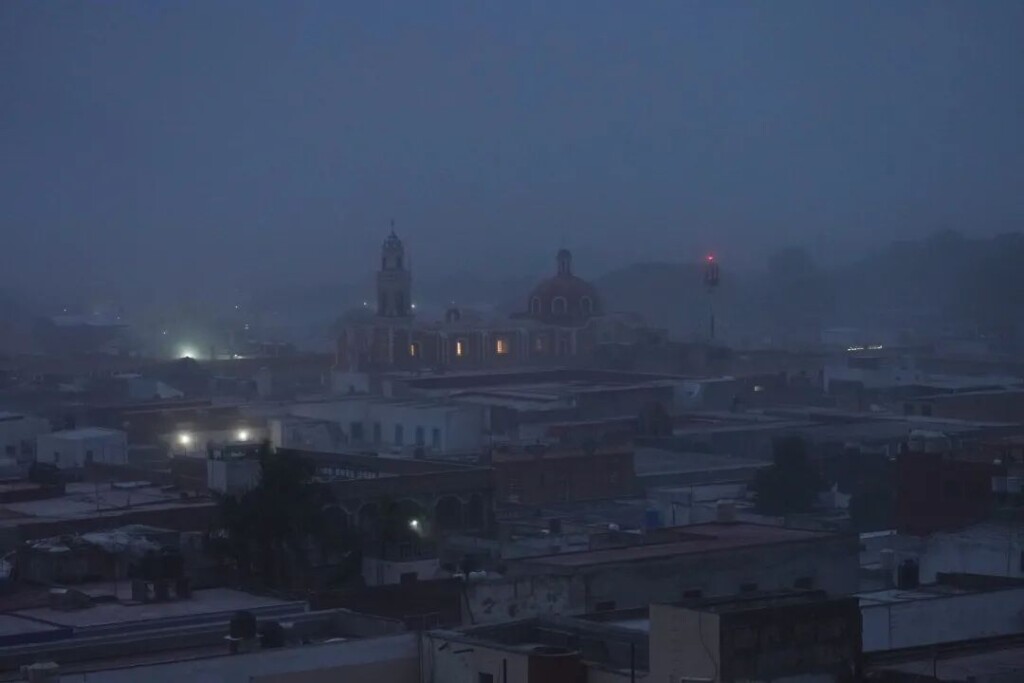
563 319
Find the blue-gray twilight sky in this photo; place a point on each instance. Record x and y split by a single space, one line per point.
144 143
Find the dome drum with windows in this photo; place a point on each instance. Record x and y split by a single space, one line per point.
564 298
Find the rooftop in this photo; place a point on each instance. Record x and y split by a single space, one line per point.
553 376
694 539
213 601
85 433
84 500
946 586
653 461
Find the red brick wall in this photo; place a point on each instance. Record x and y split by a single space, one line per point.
936 492
550 479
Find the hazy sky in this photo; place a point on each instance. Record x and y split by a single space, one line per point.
159 143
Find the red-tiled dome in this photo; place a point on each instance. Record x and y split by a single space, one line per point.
564 298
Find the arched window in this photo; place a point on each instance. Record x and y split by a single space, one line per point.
535 306
559 305
586 305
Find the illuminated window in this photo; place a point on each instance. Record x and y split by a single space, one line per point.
414 350
501 346
460 347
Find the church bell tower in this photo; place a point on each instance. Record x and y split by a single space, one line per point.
394 280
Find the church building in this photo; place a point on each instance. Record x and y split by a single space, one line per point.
561 322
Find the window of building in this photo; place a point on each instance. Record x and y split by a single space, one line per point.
535 306
420 436
355 430
398 262
501 346
559 305
435 438
399 303
538 343
88 457
399 436
414 350
586 305
376 432
515 489
460 347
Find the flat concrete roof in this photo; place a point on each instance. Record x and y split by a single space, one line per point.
695 539
12 625
202 602
84 433
653 461
201 667
86 499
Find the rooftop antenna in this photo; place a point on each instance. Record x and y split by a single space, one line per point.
711 277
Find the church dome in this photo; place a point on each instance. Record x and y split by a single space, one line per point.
563 299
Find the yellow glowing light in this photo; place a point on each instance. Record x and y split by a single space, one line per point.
501 346
185 439
187 352
242 435
460 347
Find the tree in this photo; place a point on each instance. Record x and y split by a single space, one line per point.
791 484
278 524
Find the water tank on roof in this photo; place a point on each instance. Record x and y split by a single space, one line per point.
652 519
242 625
909 575
725 511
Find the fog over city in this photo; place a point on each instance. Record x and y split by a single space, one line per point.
531 341
179 148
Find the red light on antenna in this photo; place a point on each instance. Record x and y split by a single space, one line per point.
711 257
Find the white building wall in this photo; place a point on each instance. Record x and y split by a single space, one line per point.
18 434
946 619
458 428
989 548
73 449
